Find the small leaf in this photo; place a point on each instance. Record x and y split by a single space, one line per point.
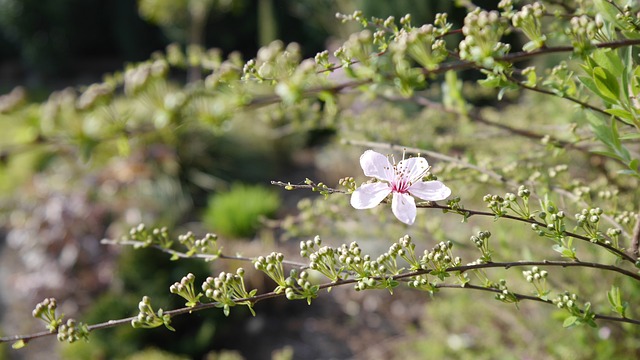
633 136
570 321
622 114
19 344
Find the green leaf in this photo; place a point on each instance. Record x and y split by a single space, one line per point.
607 84
610 61
589 84
19 344
570 321
608 154
632 136
624 115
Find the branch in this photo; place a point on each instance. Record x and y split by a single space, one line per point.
469 213
183 255
464 268
477 117
500 178
572 99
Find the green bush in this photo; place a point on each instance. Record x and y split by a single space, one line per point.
237 213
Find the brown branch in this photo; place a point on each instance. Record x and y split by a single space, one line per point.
485 171
464 268
572 99
469 213
477 117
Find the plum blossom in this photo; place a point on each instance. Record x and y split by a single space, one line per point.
402 180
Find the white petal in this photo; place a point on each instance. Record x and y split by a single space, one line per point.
413 169
430 190
368 196
376 165
404 208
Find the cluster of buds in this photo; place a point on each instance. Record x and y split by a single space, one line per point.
589 220
272 266
354 262
553 220
356 16
186 289
207 245
628 16
614 235
228 290
421 282
626 218
359 48
483 31
147 237
497 204
421 44
322 60
561 80
320 187
440 259
299 286
46 311
538 278
505 295
569 302
554 229
349 183
323 259
405 248
95 94
481 241
72 331
455 206
528 20
147 318
273 62
137 77
583 31
519 203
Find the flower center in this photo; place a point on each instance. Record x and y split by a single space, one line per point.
401 182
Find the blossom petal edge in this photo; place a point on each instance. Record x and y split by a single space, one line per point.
430 190
369 196
376 165
403 207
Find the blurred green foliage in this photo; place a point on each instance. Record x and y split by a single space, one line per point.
237 212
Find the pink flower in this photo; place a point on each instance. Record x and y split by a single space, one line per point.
403 180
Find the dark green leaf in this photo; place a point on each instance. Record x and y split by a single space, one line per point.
607 84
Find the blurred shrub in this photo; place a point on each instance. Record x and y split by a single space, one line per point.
237 213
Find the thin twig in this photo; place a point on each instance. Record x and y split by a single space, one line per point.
464 268
566 97
500 178
183 255
469 213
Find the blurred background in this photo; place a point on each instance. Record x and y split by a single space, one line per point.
69 178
